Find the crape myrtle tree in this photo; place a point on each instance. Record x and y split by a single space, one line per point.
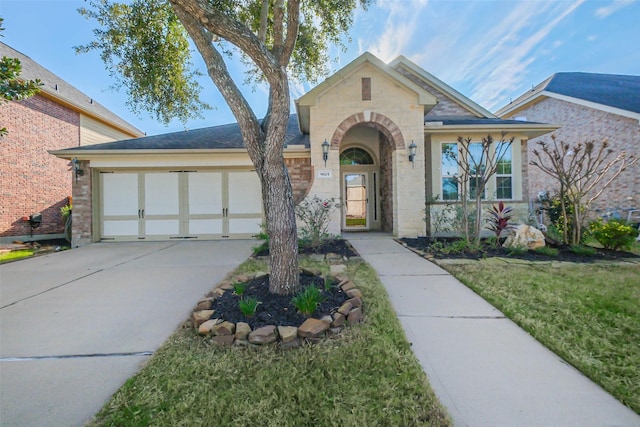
12 87
582 172
477 163
146 47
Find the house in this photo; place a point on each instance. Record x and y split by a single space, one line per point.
369 117
33 181
590 107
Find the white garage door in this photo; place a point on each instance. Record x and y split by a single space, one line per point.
179 204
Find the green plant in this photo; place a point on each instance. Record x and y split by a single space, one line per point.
582 250
66 211
249 306
614 234
498 220
315 214
308 300
328 282
239 289
516 251
264 236
547 251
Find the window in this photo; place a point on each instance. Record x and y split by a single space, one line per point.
504 172
477 163
355 156
449 163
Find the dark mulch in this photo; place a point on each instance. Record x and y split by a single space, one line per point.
336 246
431 246
276 309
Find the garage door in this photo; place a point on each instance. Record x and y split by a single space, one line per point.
163 205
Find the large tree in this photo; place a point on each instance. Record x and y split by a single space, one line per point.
145 44
12 86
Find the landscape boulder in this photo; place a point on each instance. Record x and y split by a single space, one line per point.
525 237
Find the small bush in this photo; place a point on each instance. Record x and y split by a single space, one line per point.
547 251
248 306
614 234
499 217
239 288
582 250
308 300
516 251
314 214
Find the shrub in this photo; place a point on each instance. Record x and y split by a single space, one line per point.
614 234
547 251
239 288
315 214
308 300
249 306
498 221
582 250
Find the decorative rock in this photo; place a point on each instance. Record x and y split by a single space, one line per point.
201 316
224 328
287 333
356 259
355 301
312 328
338 320
223 340
264 335
242 330
354 316
353 293
218 292
347 286
205 327
226 285
260 275
327 319
242 278
333 258
204 304
312 271
525 237
345 308
335 331
317 257
337 269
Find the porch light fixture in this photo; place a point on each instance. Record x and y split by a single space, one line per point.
412 151
325 151
75 163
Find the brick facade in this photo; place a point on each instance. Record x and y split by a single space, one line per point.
32 179
581 124
301 175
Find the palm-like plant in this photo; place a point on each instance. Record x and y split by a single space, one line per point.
499 217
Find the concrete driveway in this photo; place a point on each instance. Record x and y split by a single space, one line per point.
75 325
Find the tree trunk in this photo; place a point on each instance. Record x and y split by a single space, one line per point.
281 227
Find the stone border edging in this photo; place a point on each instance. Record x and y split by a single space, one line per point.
311 330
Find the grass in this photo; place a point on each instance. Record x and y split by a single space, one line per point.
15 255
366 377
587 314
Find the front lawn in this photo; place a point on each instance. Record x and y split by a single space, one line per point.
15 255
366 377
589 314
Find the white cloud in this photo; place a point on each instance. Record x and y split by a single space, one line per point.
603 12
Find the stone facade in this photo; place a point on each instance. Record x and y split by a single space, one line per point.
82 225
581 124
32 179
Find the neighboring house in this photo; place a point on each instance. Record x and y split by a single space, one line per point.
201 183
590 107
33 181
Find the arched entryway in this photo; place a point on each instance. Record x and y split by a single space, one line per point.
366 142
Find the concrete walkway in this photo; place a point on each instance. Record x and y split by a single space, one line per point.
75 325
483 367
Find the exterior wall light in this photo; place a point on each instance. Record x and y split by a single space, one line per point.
412 151
76 167
325 151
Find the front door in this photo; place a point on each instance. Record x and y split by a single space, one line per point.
356 200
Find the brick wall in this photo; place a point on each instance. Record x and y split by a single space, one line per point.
581 124
301 175
82 208
32 179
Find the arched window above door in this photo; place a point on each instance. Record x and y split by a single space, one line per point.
355 156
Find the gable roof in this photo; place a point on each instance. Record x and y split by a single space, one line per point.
222 137
62 92
619 94
441 86
310 98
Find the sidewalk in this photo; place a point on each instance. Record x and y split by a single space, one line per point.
483 367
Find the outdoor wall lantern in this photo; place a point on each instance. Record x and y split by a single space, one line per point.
325 151
412 151
76 167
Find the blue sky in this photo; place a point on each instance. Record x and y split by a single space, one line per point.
489 50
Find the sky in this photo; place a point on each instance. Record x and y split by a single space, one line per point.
491 51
